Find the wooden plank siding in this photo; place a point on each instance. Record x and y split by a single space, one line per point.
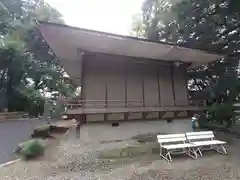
115 84
180 86
125 83
94 85
165 83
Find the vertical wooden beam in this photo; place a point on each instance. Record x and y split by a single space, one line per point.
106 98
172 79
186 79
143 74
125 70
125 81
142 66
106 101
159 93
80 55
80 117
106 95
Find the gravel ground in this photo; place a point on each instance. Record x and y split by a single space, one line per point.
78 159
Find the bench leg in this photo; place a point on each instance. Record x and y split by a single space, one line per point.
191 152
199 151
224 150
221 149
167 156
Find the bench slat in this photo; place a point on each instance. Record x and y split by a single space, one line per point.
199 133
168 140
205 143
200 137
171 136
178 146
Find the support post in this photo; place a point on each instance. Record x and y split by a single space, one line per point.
80 118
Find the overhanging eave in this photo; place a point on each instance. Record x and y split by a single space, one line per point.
65 42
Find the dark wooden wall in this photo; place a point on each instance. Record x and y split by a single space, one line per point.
137 82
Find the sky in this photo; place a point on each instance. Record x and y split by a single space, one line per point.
114 16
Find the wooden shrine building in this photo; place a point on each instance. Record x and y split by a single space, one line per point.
124 77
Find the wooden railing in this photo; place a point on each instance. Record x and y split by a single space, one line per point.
120 103
103 103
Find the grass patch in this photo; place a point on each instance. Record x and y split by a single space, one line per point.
146 138
131 151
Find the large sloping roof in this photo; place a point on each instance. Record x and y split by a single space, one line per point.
65 40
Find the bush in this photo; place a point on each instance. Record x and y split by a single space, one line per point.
57 129
42 131
221 114
30 149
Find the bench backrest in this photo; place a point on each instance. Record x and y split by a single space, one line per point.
198 136
171 138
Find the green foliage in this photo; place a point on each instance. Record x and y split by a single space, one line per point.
45 127
211 25
30 149
28 68
221 113
42 131
45 131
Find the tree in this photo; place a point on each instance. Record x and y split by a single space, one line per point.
210 25
29 71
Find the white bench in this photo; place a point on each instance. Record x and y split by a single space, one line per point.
205 140
173 144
